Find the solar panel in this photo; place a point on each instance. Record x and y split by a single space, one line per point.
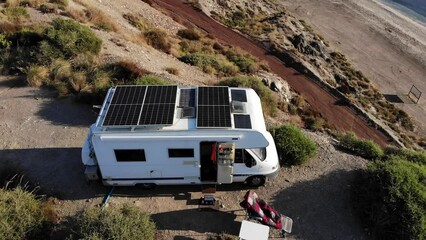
213 110
141 105
239 95
242 121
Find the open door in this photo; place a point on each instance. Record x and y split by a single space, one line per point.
225 162
217 162
208 170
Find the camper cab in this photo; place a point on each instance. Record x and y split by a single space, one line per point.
158 135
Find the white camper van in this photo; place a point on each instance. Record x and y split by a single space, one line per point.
158 135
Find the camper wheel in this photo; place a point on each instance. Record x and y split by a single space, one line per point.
146 185
256 181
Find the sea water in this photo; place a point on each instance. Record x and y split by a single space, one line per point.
415 9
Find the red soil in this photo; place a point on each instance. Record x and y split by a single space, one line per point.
341 117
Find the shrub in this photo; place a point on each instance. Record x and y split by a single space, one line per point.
125 223
101 81
151 79
158 39
172 70
407 154
269 101
21 214
125 72
15 14
4 41
72 38
137 21
391 195
37 75
245 62
63 3
364 148
190 34
293 146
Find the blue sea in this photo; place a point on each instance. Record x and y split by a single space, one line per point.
415 9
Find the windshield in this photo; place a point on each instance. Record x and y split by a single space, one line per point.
260 153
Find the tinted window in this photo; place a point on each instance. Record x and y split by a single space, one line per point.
181 153
134 155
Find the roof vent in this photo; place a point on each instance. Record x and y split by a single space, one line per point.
238 107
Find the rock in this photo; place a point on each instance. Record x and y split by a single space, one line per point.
277 84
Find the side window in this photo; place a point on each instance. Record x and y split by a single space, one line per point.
239 156
242 156
131 155
181 153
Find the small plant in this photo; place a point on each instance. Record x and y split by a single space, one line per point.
158 39
124 223
71 38
269 101
137 21
16 14
172 70
293 146
151 79
21 214
37 75
190 34
364 148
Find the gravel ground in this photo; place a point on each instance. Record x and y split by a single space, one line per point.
43 135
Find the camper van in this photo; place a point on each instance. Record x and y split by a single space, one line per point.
163 135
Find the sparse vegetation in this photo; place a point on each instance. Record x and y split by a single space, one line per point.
293 146
92 15
137 21
124 223
269 101
151 79
15 14
190 34
158 39
172 70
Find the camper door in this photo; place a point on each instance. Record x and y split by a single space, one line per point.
225 162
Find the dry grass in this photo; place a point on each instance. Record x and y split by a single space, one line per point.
37 75
94 16
137 21
172 70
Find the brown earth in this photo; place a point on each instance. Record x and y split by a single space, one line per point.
340 116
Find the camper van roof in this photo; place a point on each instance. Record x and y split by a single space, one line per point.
180 108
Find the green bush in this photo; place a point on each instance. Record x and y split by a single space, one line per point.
21 214
408 154
151 79
293 146
391 195
72 38
269 101
364 148
125 223
158 39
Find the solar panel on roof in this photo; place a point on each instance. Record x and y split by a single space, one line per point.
141 105
242 121
239 95
213 108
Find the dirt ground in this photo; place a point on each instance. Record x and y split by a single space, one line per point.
385 45
43 135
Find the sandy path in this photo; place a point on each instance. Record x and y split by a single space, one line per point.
343 118
386 46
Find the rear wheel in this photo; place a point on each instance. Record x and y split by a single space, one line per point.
256 181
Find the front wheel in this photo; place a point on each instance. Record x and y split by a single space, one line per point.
256 181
